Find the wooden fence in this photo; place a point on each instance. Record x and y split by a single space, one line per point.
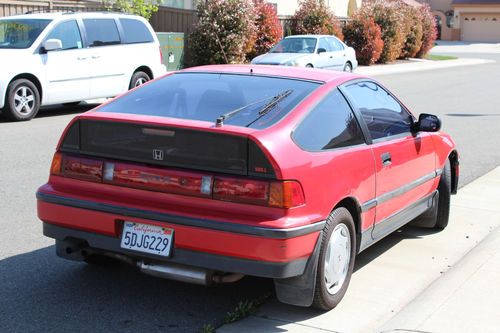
174 20
15 7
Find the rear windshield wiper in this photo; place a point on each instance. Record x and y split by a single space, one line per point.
266 108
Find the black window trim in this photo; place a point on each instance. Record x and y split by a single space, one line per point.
306 114
359 116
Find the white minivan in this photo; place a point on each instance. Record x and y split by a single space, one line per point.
55 58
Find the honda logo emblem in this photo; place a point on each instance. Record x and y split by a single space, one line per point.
158 154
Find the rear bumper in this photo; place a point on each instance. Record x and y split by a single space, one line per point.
214 245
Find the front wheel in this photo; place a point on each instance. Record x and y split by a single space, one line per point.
23 100
336 259
139 78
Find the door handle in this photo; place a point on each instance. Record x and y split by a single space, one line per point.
95 57
386 159
81 58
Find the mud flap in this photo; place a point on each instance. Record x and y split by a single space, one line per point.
299 290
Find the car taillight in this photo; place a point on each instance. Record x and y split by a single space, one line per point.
271 193
161 55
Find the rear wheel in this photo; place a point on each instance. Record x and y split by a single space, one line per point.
23 100
139 78
336 259
348 67
309 66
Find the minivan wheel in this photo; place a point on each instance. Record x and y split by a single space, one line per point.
336 259
23 100
139 78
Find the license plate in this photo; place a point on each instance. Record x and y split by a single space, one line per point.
147 238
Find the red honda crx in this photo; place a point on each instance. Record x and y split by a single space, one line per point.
216 172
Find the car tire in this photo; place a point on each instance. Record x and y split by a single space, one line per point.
309 66
23 100
139 78
444 189
348 67
338 246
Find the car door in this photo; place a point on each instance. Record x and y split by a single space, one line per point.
107 64
404 161
324 59
67 69
338 54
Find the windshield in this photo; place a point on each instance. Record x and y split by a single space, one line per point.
295 45
207 96
21 33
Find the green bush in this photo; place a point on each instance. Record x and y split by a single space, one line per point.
314 17
414 38
268 26
225 32
389 15
428 29
364 35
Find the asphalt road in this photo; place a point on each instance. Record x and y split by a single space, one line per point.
40 292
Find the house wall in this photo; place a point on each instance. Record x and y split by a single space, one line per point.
438 5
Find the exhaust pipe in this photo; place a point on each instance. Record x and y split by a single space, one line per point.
187 274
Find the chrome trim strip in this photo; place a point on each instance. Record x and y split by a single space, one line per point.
372 203
182 220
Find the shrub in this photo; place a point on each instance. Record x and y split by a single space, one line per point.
225 32
428 29
268 26
390 17
364 35
314 17
138 7
413 41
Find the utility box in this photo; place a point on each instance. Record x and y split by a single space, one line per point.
172 49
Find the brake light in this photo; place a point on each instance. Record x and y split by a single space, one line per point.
241 190
161 55
55 167
82 168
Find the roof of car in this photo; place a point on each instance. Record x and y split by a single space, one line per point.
312 74
309 36
55 15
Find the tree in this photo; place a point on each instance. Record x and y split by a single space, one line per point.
268 26
144 8
314 17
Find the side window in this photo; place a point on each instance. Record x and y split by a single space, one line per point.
331 124
135 31
383 115
323 44
69 34
101 32
337 46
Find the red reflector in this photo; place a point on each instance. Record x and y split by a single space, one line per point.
241 190
82 168
155 179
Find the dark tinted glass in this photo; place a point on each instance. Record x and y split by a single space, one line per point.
383 115
331 124
206 96
135 31
101 32
20 34
69 34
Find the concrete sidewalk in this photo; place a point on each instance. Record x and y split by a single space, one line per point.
415 65
414 279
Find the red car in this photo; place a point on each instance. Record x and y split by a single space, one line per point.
216 172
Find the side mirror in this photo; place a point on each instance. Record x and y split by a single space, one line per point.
428 123
52 44
321 50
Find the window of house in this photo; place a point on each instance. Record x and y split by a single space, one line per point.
383 115
101 32
331 124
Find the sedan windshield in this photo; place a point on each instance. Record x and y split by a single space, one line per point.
242 100
295 45
21 33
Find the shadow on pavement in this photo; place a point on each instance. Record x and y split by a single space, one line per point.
40 292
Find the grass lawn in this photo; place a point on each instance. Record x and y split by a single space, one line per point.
439 57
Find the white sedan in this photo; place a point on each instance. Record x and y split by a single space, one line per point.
320 51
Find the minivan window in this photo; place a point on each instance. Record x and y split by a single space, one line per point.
101 32
21 33
69 35
206 96
135 31
331 124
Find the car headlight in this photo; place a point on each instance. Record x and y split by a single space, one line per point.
291 63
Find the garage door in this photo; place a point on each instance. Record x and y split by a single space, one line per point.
480 27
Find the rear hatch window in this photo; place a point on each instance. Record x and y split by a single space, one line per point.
207 96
